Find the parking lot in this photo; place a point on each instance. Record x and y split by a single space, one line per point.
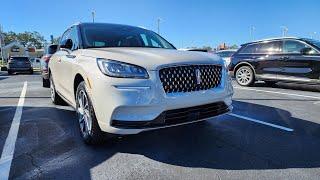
272 133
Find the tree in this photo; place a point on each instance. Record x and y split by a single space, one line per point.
26 38
55 40
9 37
207 48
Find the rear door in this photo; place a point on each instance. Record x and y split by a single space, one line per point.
268 63
296 66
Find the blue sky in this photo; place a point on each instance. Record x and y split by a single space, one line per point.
184 23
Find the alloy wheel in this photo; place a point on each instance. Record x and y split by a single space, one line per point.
244 76
83 111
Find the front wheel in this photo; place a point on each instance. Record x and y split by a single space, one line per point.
89 127
245 76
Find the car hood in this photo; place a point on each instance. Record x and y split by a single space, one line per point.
153 58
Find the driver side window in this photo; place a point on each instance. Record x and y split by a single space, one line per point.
73 35
295 47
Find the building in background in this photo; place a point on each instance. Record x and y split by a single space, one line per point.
17 49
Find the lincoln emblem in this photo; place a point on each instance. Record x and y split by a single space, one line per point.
198 76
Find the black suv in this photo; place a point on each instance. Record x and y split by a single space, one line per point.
278 59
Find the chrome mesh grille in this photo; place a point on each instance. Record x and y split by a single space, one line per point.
190 78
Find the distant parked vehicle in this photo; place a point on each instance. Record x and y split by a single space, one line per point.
199 50
50 50
279 59
226 55
19 64
195 49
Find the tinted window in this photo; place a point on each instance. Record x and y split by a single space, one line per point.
74 37
313 42
52 49
249 49
291 46
65 36
270 47
111 35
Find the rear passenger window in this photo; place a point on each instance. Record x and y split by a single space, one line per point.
270 47
249 49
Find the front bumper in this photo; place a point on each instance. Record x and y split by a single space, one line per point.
130 106
20 69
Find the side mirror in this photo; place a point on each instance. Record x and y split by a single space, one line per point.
66 44
306 51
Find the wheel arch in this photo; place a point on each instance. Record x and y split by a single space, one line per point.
244 64
77 80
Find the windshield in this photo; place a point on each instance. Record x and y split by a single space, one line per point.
313 42
111 35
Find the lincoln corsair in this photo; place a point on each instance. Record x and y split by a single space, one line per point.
124 80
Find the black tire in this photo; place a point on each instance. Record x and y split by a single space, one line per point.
31 71
10 72
94 135
270 83
45 83
245 76
55 98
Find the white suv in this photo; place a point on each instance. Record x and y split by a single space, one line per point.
124 80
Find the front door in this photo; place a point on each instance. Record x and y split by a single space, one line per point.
296 66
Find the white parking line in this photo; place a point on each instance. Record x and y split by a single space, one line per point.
261 122
8 148
274 92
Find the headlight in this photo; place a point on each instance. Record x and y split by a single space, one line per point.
122 70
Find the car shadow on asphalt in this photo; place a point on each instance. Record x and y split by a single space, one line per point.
292 86
49 145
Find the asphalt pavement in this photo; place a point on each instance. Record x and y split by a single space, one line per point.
272 133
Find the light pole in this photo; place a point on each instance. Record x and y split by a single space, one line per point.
1 38
93 13
252 29
314 35
284 31
158 23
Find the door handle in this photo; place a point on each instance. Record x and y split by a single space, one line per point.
285 58
71 56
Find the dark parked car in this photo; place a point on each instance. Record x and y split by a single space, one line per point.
19 64
278 59
50 50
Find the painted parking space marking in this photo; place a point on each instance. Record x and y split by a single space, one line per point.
282 93
261 122
9 146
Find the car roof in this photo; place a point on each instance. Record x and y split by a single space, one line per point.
110 24
272 39
227 50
